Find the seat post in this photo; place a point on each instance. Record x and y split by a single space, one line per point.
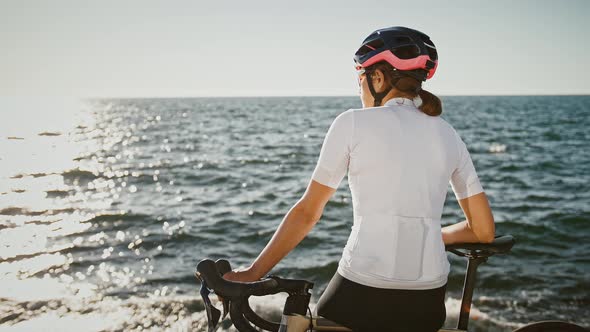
468 286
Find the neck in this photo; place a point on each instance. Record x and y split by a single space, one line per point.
395 93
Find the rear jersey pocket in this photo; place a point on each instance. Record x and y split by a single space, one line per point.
409 247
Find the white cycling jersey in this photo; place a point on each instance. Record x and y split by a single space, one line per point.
399 163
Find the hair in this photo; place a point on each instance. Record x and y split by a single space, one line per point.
410 87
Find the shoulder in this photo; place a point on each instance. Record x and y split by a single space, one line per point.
456 139
345 118
445 126
447 133
367 110
444 123
359 113
350 113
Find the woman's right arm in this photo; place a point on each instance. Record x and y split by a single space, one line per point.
479 226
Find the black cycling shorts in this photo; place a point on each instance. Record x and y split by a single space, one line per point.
369 309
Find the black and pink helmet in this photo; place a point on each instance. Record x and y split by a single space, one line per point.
407 50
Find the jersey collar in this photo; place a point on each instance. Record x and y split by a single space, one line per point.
398 101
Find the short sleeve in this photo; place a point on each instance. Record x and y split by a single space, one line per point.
464 179
335 154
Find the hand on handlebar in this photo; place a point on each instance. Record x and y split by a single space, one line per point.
239 275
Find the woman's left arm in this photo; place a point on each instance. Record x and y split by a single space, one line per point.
300 219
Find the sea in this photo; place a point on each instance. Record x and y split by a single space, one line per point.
107 205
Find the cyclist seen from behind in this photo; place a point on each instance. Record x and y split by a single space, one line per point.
400 156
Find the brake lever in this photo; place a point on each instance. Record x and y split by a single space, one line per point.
225 304
223 267
213 314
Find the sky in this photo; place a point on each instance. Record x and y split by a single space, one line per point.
283 48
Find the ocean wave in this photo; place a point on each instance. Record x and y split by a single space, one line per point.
16 211
79 174
137 217
57 193
546 233
11 257
35 175
179 278
50 133
111 223
206 179
151 313
497 148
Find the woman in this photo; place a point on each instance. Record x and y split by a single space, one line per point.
400 156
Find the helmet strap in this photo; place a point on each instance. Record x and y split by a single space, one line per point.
377 96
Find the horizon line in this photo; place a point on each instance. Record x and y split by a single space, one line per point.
322 96
277 96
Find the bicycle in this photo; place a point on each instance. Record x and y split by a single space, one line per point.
295 317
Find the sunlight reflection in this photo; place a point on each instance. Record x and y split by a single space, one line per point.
25 268
46 288
32 239
68 241
41 201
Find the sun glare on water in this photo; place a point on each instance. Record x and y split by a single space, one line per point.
50 194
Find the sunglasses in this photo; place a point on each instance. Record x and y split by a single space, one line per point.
360 70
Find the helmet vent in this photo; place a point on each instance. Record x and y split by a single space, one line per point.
376 44
406 52
372 45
